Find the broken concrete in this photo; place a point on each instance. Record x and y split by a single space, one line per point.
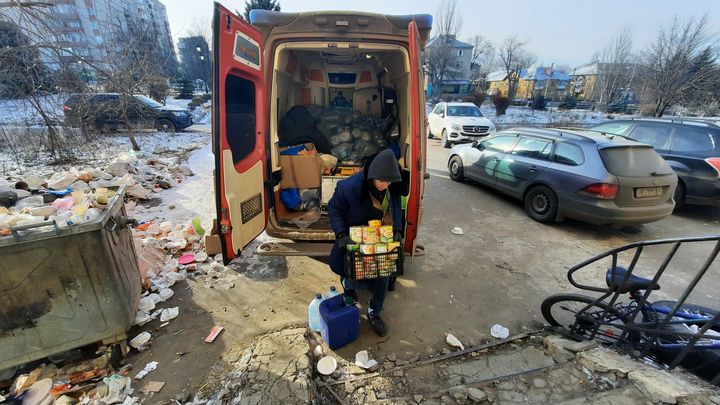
662 386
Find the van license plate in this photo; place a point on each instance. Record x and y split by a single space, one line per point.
647 192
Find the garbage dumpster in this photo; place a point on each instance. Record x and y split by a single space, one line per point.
63 288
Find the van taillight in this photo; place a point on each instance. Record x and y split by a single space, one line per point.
606 191
66 108
715 163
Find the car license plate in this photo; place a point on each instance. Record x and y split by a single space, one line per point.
648 192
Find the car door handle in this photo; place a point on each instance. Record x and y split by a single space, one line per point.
533 168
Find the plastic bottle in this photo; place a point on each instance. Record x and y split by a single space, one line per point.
314 313
332 292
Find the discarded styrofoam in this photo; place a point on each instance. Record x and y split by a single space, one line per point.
327 365
457 231
165 294
148 368
169 313
139 341
363 360
453 341
499 331
146 304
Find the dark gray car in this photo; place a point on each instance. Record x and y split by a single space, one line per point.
560 173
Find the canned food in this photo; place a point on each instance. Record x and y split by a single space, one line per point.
386 231
370 235
356 234
375 223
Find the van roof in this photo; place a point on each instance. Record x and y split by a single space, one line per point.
339 22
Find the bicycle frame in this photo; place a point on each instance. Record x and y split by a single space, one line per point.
653 331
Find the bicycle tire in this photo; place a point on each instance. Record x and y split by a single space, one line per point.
551 302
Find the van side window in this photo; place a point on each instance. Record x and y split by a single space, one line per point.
568 154
691 139
240 116
653 134
533 148
438 109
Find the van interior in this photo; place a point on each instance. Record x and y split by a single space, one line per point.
345 103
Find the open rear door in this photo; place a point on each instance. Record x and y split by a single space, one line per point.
239 130
419 140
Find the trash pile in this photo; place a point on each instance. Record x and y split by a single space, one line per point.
141 176
346 134
89 382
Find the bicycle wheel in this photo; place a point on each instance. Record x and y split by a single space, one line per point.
561 310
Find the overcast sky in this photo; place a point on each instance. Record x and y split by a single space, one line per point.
564 32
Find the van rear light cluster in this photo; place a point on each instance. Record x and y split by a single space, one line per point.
606 191
715 163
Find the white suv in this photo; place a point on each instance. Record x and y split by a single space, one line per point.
458 123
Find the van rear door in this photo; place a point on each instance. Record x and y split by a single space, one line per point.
239 130
417 157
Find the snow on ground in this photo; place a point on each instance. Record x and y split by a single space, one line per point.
21 111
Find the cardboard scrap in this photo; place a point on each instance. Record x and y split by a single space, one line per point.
214 332
152 387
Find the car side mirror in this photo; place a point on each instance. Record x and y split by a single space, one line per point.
442 115
475 144
479 145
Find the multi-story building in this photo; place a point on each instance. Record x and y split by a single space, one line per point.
89 29
536 81
456 78
195 59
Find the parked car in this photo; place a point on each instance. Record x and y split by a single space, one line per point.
579 174
458 123
691 146
105 111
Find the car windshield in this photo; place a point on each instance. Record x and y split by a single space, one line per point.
463 111
147 100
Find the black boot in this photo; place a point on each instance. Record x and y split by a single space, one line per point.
377 325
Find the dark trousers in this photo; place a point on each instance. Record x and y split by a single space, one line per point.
378 287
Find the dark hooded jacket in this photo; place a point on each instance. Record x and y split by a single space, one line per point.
351 205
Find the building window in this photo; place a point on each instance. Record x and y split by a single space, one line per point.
460 52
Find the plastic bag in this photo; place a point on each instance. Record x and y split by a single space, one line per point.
307 219
342 151
290 198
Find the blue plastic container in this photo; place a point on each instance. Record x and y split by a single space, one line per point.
340 323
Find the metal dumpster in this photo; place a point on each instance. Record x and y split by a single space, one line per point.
63 288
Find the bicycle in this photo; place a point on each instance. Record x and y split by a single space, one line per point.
674 331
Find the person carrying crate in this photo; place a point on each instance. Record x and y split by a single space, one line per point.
366 196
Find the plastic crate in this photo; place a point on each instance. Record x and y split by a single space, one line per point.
359 266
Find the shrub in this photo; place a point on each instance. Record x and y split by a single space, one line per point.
501 103
568 103
538 103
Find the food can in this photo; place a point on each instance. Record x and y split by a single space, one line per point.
370 235
367 249
375 223
356 234
386 231
381 248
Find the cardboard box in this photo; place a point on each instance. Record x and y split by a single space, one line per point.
212 241
301 171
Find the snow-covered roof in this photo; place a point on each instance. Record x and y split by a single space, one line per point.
540 73
497 76
452 41
589 69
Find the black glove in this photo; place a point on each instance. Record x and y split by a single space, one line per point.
343 241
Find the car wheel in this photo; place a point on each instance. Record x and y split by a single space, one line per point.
165 125
455 168
445 141
541 204
679 196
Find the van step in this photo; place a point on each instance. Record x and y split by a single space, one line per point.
294 249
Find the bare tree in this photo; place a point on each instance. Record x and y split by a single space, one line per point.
616 69
438 56
513 58
671 61
482 57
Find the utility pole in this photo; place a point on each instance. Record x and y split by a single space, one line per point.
202 66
